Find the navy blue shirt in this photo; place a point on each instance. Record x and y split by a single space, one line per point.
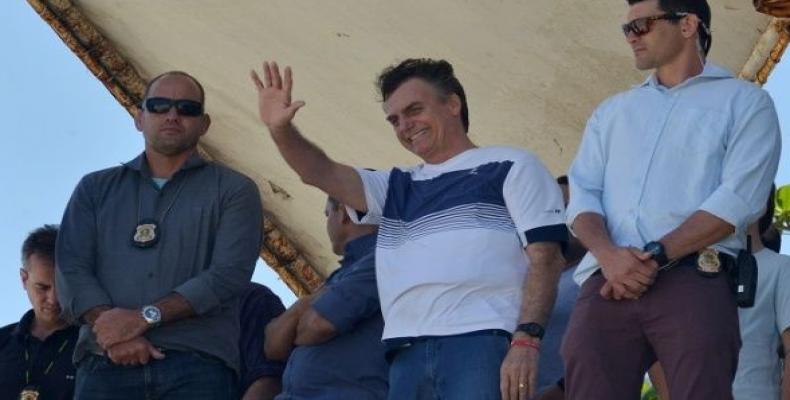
258 306
15 340
351 365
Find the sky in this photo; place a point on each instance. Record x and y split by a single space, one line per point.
59 123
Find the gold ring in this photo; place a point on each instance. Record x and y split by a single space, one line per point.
521 386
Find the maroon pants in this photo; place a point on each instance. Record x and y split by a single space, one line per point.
686 321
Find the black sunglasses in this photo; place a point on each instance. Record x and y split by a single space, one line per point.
161 105
641 26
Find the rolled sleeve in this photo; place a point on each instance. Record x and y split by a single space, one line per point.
727 205
350 300
586 175
78 288
750 164
236 248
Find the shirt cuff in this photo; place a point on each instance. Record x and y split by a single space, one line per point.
199 296
548 233
728 206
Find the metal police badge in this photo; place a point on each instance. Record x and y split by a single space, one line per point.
708 263
146 234
29 393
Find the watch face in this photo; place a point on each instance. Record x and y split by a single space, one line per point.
653 248
151 314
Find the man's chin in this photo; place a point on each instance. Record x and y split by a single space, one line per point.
643 65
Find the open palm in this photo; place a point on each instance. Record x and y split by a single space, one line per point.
274 96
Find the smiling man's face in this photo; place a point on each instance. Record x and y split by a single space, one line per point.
423 119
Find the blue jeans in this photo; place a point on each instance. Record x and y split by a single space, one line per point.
181 375
448 367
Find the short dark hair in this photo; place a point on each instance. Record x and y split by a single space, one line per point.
438 73
168 73
40 242
700 8
767 219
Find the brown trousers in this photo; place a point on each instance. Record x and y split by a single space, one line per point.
686 321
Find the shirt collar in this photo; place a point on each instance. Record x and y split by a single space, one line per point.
710 71
22 329
358 248
140 163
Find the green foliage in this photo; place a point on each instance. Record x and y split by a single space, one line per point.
648 391
782 209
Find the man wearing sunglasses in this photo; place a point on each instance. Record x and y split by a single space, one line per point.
666 179
152 257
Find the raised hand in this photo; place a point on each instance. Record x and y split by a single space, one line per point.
274 97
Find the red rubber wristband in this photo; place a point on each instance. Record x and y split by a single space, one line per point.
525 343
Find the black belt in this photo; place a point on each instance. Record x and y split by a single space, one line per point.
395 344
727 262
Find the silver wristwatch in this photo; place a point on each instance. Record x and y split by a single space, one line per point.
152 315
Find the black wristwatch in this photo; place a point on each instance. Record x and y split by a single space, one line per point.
532 329
657 253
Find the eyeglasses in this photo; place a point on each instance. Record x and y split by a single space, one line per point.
641 26
161 105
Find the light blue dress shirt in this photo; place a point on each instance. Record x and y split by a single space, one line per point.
651 156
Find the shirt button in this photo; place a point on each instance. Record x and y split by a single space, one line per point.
150 274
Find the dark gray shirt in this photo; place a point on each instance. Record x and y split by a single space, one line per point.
209 219
351 365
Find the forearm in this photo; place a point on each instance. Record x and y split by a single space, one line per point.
264 388
315 168
540 287
281 331
590 229
90 316
574 252
174 307
700 230
304 157
313 329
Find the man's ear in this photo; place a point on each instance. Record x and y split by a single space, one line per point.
454 101
23 276
138 119
207 123
689 25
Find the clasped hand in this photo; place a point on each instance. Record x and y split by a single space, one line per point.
629 272
119 332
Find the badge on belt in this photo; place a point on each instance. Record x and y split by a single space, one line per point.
29 393
708 262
